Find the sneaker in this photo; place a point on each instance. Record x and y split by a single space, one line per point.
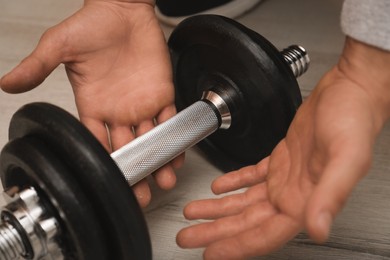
172 12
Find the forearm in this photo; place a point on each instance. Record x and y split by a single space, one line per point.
368 66
366 55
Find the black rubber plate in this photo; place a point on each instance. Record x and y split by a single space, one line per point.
25 163
209 50
113 201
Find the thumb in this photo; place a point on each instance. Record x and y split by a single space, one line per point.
336 184
34 69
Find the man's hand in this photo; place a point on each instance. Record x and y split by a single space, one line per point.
118 64
308 177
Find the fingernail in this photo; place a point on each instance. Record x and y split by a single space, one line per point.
324 223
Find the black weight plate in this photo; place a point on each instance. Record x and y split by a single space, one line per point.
209 50
26 162
92 167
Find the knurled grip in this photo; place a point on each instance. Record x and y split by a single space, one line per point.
166 141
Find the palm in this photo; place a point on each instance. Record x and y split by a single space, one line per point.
320 144
119 69
303 184
118 65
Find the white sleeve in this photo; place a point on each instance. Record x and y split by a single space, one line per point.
367 21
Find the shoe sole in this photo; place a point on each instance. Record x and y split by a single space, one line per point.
230 10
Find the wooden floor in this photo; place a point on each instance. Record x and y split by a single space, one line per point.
361 231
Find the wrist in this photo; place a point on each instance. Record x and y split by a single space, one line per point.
368 67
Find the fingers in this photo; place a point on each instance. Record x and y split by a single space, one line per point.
166 114
120 135
142 193
165 177
99 130
226 206
34 69
242 178
204 234
336 184
261 240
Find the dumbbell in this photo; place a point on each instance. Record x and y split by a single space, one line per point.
68 198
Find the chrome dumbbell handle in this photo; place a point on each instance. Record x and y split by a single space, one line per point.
152 150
